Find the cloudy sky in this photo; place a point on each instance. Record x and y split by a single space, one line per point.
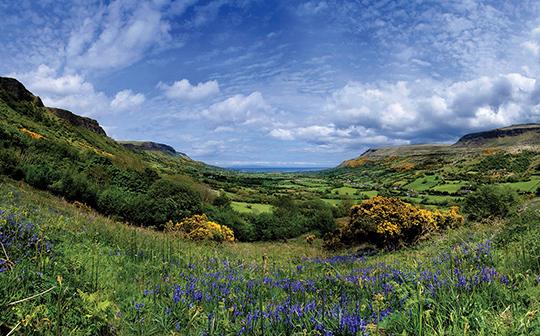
279 83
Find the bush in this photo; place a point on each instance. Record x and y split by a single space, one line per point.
318 216
391 223
198 227
40 176
115 201
490 202
166 200
243 229
75 186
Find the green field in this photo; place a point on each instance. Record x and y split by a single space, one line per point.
336 202
350 191
450 187
423 183
525 186
244 207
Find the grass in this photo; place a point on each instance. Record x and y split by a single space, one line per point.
424 183
105 277
345 191
244 207
524 186
336 202
450 187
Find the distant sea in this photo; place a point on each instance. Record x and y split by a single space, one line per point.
277 169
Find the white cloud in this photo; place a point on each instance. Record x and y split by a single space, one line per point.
422 110
283 134
68 91
126 99
240 110
184 90
73 92
117 36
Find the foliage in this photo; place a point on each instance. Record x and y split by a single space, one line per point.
390 223
490 201
120 280
225 215
198 227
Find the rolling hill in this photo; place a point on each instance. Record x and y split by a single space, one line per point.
510 139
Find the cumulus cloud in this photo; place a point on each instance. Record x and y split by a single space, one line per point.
239 110
73 92
68 91
126 99
423 110
184 90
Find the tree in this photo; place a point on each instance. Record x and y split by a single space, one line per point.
490 201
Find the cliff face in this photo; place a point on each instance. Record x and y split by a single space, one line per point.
481 138
149 145
11 90
78 121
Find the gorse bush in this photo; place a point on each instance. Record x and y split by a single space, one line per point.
391 223
490 202
198 227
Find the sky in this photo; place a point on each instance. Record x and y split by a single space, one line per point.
279 83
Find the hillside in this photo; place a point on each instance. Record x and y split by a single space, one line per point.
512 138
88 275
72 156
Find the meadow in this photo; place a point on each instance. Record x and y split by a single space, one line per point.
68 270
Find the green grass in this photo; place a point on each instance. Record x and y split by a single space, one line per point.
524 186
370 193
345 191
423 183
336 202
109 278
450 187
244 207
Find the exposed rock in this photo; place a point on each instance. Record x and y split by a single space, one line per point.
13 90
152 146
78 121
480 138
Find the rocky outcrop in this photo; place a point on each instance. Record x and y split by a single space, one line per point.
75 120
480 138
11 90
152 146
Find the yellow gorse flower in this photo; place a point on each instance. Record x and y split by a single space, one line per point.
198 227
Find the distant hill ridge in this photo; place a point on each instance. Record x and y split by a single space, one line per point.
512 137
481 138
152 146
14 93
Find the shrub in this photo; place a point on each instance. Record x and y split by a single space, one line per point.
243 229
390 223
40 176
167 200
115 201
198 227
490 202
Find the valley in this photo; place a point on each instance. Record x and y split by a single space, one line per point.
136 238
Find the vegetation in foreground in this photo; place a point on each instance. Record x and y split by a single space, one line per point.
66 270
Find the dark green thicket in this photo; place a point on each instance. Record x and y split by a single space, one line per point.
490 201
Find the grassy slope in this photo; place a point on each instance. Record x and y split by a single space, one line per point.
107 266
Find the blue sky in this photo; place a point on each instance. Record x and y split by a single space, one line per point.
280 83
